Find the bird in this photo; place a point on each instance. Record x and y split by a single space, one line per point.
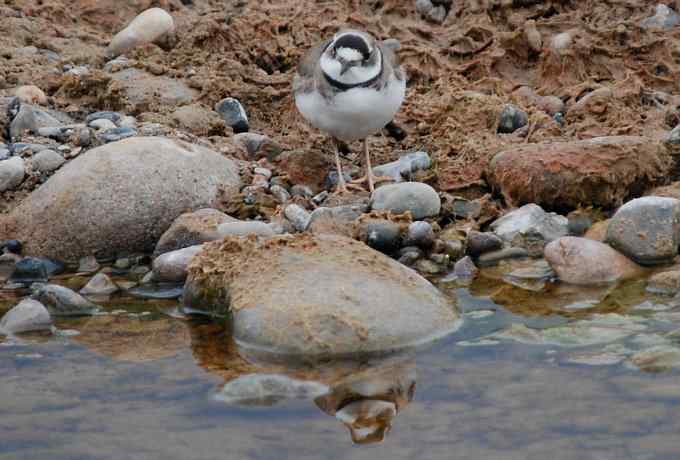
350 86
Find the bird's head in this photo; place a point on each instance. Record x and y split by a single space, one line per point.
351 57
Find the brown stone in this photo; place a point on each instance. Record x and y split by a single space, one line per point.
602 171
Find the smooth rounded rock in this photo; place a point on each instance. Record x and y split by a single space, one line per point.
419 199
297 216
311 303
172 266
382 235
511 119
192 228
118 198
28 315
12 173
47 161
420 234
647 229
148 27
234 114
99 285
477 243
30 270
530 225
62 301
584 261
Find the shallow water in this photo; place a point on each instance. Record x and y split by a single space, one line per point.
140 384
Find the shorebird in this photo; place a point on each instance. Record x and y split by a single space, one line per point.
350 86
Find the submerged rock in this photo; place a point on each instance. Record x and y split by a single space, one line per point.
647 229
602 171
268 389
62 301
118 198
418 198
584 261
28 315
149 26
312 304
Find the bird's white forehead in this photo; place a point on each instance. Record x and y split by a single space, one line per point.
349 54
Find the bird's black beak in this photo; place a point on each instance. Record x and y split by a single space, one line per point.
346 65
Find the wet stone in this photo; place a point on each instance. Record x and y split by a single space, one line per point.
99 285
234 114
478 243
511 119
647 229
530 226
268 389
28 315
171 267
157 291
61 301
30 270
465 269
491 258
88 264
383 235
420 234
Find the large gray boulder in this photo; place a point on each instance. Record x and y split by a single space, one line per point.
317 295
118 198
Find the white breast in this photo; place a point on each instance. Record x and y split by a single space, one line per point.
353 114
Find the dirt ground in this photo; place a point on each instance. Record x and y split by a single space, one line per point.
249 50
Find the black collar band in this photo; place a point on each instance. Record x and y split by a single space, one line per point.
345 86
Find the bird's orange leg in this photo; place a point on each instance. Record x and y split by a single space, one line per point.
369 177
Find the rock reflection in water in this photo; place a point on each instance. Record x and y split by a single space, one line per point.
365 395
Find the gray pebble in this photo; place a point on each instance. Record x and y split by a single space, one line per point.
279 193
302 191
480 242
61 301
263 172
320 197
383 235
106 115
116 134
465 269
12 172
102 124
511 119
234 114
420 234
665 18
28 315
47 161
297 216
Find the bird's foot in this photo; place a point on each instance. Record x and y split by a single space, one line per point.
345 188
376 179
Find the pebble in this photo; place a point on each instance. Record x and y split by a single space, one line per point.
320 197
30 270
260 181
150 26
123 263
24 121
127 121
58 133
279 193
465 269
12 173
28 315
667 283
511 119
420 234
297 216
12 246
100 284
4 154
31 94
489 259
418 198
102 124
330 182
578 223
647 229
88 264
61 301
302 191
665 18
405 167
105 115
383 235
47 161
116 134
234 114
453 248
478 243
263 172
428 266
530 225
